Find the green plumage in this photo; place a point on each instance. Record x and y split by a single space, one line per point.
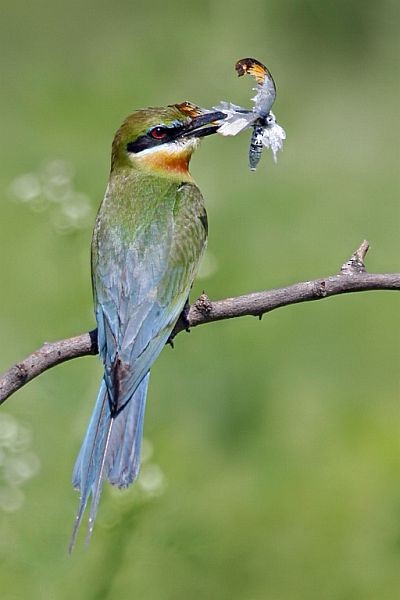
148 239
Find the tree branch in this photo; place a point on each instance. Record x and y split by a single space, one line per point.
352 278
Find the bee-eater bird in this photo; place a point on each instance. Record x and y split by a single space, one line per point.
148 239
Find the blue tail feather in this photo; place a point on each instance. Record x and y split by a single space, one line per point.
111 449
126 464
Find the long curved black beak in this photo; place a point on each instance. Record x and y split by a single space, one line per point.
196 128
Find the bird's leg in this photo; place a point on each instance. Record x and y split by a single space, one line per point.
184 315
183 318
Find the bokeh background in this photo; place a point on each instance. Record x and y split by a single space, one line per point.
272 451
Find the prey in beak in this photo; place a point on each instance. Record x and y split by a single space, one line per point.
197 128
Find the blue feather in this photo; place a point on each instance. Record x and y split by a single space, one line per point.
141 284
111 449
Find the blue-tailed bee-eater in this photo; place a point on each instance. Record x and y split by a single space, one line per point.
148 239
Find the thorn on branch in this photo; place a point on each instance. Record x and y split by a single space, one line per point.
355 265
21 372
320 288
203 304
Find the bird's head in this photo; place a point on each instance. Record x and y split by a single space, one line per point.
162 140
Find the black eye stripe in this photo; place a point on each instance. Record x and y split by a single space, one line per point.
142 143
148 141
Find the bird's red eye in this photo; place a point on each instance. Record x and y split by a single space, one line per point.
159 133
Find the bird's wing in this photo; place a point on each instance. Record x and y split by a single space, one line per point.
142 275
141 286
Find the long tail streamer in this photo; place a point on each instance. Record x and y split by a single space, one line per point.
111 449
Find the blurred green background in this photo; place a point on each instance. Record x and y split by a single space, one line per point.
272 453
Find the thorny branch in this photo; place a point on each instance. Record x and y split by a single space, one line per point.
352 278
